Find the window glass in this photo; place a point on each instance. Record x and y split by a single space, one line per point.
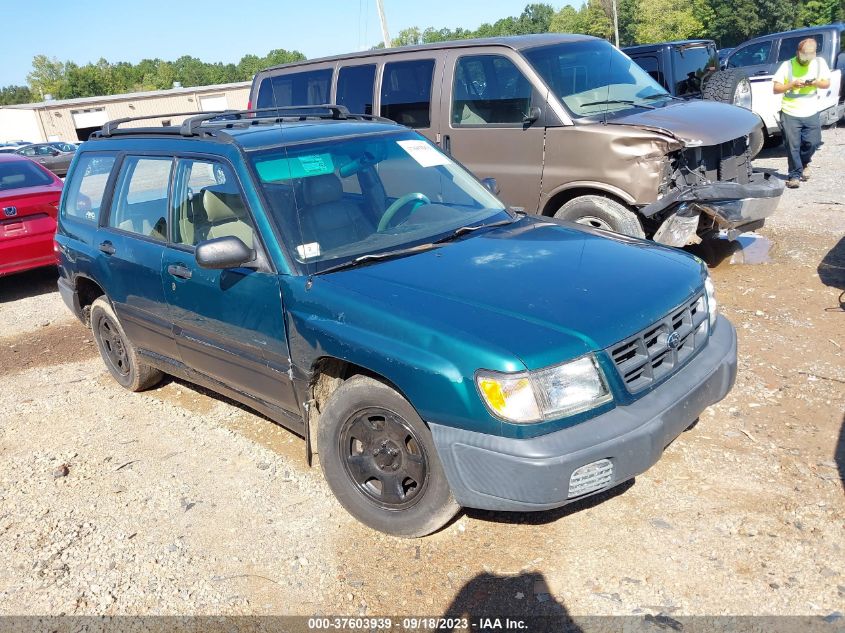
789 46
19 173
649 64
750 55
44 150
306 88
27 151
140 205
83 195
692 66
406 92
489 89
355 88
207 204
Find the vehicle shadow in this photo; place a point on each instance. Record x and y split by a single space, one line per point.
831 271
31 283
839 454
487 600
549 516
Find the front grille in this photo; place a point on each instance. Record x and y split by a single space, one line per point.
726 162
662 348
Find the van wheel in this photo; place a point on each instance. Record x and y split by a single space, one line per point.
117 351
379 460
602 213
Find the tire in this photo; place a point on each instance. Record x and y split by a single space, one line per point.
601 213
118 352
729 86
368 437
756 140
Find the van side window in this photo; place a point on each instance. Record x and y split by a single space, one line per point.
355 88
406 92
306 88
84 192
207 203
751 55
140 204
489 89
789 46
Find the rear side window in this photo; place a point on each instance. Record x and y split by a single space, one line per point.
306 88
355 88
489 89
649 64
84 192
692 65
140 204
789 46
17 174
406 92
751 55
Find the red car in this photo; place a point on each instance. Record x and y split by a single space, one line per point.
29 201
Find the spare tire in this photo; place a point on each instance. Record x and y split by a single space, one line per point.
729 86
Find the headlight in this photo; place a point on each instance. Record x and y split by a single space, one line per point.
712 304
545 394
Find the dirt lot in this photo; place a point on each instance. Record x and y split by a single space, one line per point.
176 501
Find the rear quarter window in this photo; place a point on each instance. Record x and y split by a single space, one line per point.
20 174
305 88
83 195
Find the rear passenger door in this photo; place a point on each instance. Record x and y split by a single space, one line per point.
132 242
485 98
228 324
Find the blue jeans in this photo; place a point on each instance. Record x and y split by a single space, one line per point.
802 137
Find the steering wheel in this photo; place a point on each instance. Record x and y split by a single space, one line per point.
418 199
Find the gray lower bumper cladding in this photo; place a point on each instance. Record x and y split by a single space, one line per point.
497 473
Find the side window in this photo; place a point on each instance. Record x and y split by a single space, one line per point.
207 204
306 88
44 150
649 64
355 88
84 192
406 92
140 204
489 89
789 46
750 55
28 151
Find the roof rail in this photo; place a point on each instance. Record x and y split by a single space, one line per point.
191 125
110 126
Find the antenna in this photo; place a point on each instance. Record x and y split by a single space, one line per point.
384 34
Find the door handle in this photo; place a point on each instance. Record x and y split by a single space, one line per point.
447 144
107 248
178 270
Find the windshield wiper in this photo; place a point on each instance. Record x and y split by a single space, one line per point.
663 96
623 101
469 229
375 257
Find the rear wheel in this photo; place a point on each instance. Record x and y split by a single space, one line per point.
729 86
117 351
601 213
379 459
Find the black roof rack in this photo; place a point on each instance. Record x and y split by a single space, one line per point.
193 124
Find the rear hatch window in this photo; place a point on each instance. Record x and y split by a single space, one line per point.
21 174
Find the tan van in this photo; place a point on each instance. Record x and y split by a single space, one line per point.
567 125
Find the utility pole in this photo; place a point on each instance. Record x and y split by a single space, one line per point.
384 34
615 22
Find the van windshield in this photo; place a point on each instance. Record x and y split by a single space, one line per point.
594 78
336 201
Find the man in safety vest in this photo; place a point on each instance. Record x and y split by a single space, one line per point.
798 80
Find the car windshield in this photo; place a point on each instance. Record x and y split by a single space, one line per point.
19 174
341 200
593 78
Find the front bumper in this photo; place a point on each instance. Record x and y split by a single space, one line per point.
497 473
732 205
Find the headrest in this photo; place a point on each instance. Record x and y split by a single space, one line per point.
220 207
321 189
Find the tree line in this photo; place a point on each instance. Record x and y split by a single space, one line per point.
67 80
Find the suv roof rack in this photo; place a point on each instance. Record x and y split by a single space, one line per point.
192 125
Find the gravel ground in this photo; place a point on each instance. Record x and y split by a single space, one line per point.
177 501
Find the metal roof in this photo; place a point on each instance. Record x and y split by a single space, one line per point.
81 101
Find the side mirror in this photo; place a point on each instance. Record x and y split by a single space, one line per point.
54 152
491 185
223 252
534 113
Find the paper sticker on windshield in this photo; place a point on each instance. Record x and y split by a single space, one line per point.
424 153
278 169
307 251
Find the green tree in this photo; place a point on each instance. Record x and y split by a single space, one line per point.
814 12
13 95
665 20
46 77
567 20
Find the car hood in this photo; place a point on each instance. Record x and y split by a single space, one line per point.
542 290
696 122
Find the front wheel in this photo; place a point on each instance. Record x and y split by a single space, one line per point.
379 459
601 213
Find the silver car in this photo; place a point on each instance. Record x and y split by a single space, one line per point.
48 155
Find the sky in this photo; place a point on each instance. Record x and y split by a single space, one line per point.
85 30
